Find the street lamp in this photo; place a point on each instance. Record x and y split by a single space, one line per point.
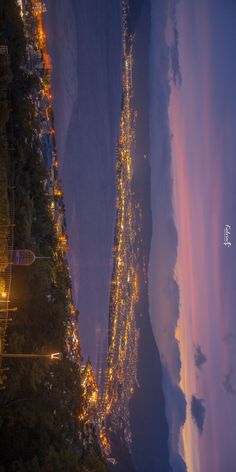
57 356
53 356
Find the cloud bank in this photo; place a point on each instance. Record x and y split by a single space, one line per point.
199 357
198 411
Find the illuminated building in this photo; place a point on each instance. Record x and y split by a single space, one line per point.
39 7
47 65
58 192
63 243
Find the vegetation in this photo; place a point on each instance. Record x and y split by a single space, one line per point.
5 78
40 406
4 208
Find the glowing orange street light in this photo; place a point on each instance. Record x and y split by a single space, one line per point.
58 192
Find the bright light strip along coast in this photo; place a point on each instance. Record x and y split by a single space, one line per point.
121 375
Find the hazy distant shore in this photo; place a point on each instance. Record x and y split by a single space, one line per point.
150 430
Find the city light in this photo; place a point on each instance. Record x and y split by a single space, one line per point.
121 373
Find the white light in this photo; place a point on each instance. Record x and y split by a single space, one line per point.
56 355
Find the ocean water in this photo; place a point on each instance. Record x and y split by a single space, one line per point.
86 55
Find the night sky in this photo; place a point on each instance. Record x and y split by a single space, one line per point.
187 119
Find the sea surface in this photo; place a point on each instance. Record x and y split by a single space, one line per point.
86 54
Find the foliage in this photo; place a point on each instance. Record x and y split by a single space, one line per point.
4 202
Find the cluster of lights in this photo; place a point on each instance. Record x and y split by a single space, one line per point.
37 9
121 374
90 393
104 440
58 192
